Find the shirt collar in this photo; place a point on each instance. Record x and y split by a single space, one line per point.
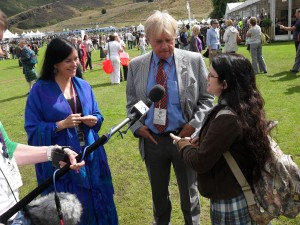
168 60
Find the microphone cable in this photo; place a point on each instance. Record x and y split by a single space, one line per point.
57 201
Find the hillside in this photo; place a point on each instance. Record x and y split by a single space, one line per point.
13 7
73 14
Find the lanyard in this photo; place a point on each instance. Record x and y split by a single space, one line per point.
74 99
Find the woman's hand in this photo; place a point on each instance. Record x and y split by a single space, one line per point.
195 141
175 138
73 120
89 120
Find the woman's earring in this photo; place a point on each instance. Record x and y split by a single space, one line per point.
224 84
55 70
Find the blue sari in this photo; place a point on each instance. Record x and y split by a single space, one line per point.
93 186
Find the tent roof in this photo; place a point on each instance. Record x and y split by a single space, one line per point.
7 34
140 27
239 6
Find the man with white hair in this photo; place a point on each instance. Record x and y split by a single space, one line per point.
180 111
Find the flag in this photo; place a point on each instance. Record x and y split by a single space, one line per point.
188 5
188 9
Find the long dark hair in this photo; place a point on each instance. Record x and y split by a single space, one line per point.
245 99
57 50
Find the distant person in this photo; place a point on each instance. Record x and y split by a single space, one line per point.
254 40
28 69
195 42
62 109
183 39
112 49
82 54
129 37
181 110
123 46
142 43
296 36
213 39
12 50
102 43
79 67
18 53
229 37
89 48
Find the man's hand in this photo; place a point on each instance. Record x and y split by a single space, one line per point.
145 133
186 131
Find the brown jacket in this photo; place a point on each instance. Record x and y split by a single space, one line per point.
218 135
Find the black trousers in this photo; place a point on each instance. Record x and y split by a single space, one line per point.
89 60
125 71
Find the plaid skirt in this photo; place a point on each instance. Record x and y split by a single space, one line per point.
230 212
30 73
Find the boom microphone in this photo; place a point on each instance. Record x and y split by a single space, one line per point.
138 110
43 210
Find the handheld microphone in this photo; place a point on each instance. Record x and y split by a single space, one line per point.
156 93
140 108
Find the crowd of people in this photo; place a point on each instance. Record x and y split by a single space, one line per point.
216 37
183 130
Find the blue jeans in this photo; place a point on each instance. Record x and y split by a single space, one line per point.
258 61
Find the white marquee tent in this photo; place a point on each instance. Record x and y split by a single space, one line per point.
140 27
9 35
32 34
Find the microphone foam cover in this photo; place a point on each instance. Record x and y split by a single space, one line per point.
43 210
156 93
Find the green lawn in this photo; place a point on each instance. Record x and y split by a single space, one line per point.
280 88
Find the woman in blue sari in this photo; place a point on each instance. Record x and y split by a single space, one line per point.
62 109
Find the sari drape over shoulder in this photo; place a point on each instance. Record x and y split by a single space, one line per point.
92 184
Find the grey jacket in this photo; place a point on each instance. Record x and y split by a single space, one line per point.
192 83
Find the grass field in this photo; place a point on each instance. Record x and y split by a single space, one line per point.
279 87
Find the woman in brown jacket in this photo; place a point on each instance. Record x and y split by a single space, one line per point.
244 133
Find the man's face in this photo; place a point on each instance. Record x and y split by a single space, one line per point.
74 41
214 25
297 14
163 45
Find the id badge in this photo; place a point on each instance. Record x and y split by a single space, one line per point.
160 116
81 138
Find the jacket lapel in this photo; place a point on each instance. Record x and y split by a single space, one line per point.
144 72
181 71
